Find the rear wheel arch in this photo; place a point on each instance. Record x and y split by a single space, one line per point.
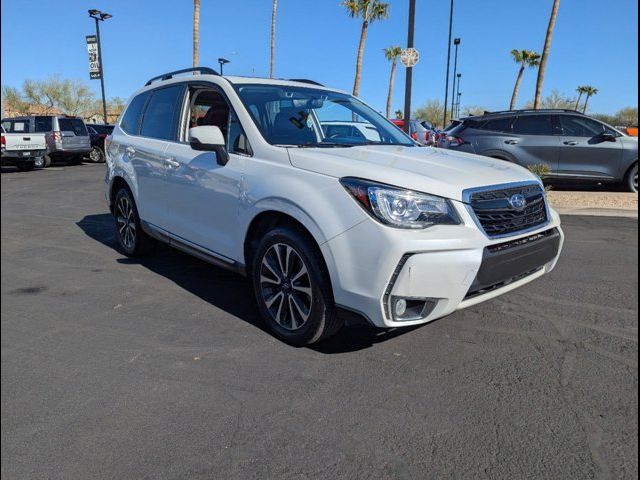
116 184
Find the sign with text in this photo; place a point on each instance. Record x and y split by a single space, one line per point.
94 57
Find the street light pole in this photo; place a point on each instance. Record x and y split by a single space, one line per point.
409 78
456 42
99 16
457 95
446 94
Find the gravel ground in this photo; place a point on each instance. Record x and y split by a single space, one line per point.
575 201
118 369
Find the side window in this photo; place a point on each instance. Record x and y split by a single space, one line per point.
534 125
498 125
209 107
238 142
581 127
160 118
131 118
43 124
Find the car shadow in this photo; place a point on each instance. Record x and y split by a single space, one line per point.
226 290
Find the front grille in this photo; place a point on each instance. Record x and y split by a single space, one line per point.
498 217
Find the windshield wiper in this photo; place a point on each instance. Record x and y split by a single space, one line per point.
327 145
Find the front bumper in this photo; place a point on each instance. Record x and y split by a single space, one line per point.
443 264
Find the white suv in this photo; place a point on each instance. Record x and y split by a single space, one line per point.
240 172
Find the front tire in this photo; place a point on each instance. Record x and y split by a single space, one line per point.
293 289
96 155
133 241
39 162
631 180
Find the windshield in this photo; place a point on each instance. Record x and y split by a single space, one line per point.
307 117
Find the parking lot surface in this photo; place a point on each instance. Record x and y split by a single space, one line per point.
112 368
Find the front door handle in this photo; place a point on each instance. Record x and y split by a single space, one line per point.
171 162
572 143
511 142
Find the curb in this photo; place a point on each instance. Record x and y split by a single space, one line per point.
598 212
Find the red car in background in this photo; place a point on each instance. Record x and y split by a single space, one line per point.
419 131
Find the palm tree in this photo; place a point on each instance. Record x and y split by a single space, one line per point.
545 53
589 92
392 54
369 11
196 33
526 58
581 91
274 14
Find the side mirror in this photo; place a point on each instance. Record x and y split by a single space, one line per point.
608 137
208 138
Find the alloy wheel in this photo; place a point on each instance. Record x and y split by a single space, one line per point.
39 162
125 217
95 155
285 285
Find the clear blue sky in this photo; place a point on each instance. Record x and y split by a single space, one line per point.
596 43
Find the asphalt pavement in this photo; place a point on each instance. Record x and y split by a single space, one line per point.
112 368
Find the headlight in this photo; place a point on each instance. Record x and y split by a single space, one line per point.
401 208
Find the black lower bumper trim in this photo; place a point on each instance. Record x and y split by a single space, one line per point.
509 262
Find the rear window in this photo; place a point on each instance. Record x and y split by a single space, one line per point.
131 119
533 125
16 126
43 124
74 125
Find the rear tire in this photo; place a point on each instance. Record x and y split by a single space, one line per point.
631 180
133 241
39 162
293 289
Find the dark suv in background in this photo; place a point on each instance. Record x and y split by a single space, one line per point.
574 146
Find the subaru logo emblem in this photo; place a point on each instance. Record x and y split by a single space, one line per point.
518 201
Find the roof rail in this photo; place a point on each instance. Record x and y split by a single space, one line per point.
304 80
167 76
531 110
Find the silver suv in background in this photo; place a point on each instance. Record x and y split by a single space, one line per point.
574 146
67 137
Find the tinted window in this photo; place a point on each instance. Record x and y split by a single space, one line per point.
533 125
101 129
161 115
43 124
498 124
74 125
131 118
582 127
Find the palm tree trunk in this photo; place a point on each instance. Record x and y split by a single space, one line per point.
392 80
516 89
578 102
274 14
545 53
586 103
363 41
196 33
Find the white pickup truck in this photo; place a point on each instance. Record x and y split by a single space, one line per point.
23 149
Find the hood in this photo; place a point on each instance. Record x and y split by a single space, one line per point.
436 171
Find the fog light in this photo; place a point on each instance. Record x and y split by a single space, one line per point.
401 307
410 309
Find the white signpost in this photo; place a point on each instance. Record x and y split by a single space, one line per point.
94 57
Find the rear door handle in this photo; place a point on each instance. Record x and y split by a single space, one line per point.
171 162
511 142
571 143
130 151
